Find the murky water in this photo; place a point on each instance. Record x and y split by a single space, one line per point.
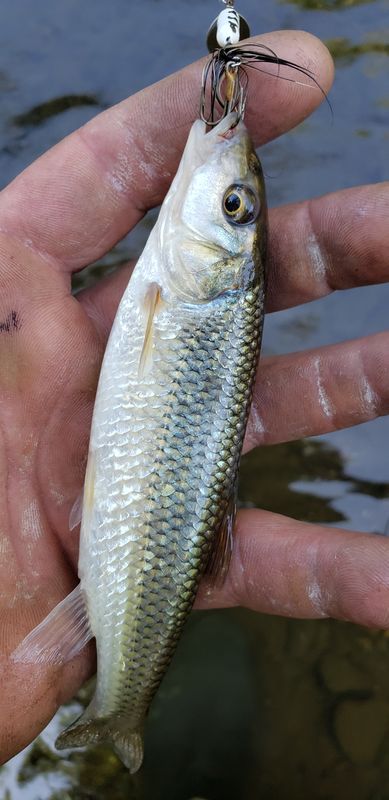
252 706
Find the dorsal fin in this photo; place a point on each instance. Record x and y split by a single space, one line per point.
219 561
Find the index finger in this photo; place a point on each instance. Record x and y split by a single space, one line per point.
85 194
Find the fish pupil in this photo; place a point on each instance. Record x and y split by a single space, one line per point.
232 203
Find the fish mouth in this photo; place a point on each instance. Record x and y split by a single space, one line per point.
226 127
229 132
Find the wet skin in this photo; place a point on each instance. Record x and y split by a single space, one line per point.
67 210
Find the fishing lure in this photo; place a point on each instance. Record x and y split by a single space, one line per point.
226 74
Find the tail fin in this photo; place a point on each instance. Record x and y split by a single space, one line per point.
128 744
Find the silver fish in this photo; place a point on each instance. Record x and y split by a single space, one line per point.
168 426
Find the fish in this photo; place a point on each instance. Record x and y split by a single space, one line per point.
169 420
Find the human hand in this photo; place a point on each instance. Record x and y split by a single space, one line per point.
67 210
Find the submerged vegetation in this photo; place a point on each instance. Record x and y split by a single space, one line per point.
342 49
328 5
51 108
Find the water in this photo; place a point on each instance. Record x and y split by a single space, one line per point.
253 706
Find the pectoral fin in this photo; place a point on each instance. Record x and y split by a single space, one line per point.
75 515
151 302
84 501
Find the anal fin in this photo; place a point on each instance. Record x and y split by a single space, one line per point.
60 636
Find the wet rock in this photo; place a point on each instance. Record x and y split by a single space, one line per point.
360 726
340 675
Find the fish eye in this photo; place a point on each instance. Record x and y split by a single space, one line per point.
240 204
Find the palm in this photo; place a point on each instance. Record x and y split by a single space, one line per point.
66 211
50 361
50 355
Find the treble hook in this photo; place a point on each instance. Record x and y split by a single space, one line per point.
227 81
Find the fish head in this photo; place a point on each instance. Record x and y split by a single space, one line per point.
214 218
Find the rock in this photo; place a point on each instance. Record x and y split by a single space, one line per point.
360 726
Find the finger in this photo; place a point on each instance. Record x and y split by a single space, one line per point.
294 569
85 194
338 241
327 389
